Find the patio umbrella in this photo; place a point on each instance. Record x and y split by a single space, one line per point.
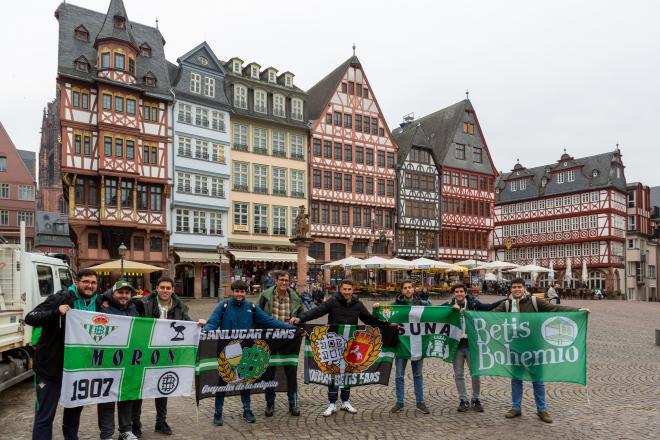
427 264
568 275
470 264
493 265
551 274
405 263
585 274
343 263
490 277
129 266
530 268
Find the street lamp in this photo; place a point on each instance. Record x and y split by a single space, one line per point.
221 251
122 252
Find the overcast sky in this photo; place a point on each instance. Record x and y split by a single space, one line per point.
542 75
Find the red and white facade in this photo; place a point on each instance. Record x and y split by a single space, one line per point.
352 168
565 214
641 247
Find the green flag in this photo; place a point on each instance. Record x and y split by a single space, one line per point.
426 331
539 347
110 358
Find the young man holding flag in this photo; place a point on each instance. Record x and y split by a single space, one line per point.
342 309
48 320
462 301
282 303
409 297
520 301
239 313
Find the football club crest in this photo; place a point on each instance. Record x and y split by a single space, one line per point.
387 312
99 328
357 354
238 364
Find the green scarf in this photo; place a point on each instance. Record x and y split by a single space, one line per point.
81 304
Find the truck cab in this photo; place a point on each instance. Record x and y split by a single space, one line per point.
26 279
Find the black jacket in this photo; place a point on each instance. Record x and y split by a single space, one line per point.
340 311
417 301
475 304
114 308
178 311
49 351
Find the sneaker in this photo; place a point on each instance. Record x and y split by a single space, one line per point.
421 407
513 413
217 419
463 406
270 409
330 410
346 406
476 404
294 409
248 416
545 416
128 435
397 407
163 428
137 430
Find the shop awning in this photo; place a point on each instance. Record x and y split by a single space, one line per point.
200 257
275 257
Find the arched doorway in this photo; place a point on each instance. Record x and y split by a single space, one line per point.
184 280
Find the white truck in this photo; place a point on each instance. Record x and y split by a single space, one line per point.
26 279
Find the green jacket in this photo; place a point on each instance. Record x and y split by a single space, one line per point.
265 302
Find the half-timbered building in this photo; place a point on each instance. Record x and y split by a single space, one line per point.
352 167
463 221
641 247
113 90
565 213
200 168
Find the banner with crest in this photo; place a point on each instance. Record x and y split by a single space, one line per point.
231 361
109 358
349 355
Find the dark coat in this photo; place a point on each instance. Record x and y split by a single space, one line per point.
475 304
49 351
178 311
114 308
340 311
417 301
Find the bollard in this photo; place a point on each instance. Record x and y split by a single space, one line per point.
657 337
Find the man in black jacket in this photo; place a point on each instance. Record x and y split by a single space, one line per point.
49 316
463 301
345 309
118 304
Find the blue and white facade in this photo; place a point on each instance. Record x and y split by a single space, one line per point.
200 171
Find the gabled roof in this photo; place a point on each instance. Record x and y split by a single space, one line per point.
204 47
604 177
14 158
435 131
322 91
108 29
71 16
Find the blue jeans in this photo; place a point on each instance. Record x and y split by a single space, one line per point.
220 401
418 378
517 393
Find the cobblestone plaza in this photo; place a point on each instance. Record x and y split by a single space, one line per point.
622 400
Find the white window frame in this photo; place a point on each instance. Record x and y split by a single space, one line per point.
272 76
254 72
288 80
260 139
241 135
185 113
26 192
260 101
185 147
199 222
201 185
279 220
279 180
240 96
279 105
27 217
279 143
241 174
297 109
209 86
241 213
218 120
4 190
183 182
514 186
215 223
202 117
260 218
218 153
523 184
260 176
570 176
297 182
297 146
237 68
217 187
182 221
195 83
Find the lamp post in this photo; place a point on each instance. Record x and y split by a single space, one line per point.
221 251
122 252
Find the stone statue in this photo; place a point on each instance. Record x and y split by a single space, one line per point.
302 223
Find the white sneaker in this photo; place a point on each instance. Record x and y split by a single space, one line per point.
128 435
346 406
330 410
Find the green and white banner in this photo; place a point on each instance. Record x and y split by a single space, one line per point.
539 347
109 358
426 331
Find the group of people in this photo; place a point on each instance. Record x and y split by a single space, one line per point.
279 306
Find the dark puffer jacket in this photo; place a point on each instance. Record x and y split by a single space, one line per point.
178 311
49 351
400 300
340 311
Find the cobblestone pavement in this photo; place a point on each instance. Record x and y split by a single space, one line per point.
622 400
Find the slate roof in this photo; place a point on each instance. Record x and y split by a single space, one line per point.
29 159
322 91
655 196
108 30
71 16
45 233
435 131
585 179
